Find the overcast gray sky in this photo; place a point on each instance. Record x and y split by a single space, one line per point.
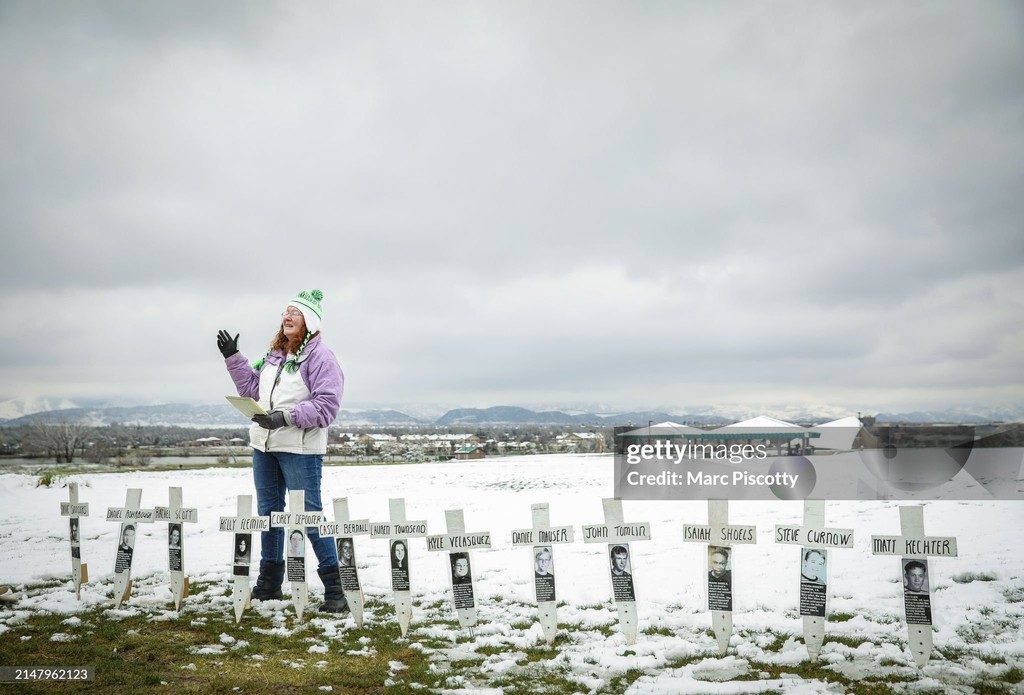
524 203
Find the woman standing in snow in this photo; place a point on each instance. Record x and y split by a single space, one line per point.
299 383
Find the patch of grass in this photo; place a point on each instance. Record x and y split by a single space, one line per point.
852 642
685 661
819 671
992 660
620 684
779 642
209 652
841 617
490 651
538 678
439 605
203 650
987 688
951 653
534 654
1014 594
48 478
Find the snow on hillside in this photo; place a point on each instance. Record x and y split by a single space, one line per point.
19 407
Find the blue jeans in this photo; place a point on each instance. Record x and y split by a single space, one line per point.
275 473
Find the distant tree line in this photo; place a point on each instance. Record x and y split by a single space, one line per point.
66 440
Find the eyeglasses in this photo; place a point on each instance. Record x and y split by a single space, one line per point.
291 312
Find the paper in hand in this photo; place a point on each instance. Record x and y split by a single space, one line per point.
246 406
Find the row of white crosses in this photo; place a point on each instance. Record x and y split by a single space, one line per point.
814 538
128 517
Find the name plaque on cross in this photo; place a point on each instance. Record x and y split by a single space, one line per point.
242 526
618 534
541 538
75 510
398 531
457 543
814 541
915 547
720 536
129 516
176 515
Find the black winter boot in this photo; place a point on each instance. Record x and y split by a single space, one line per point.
334 597
268 584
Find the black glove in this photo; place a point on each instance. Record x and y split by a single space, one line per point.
272 420
226 344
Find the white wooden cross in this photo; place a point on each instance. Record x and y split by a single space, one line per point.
75 509
720 536
815 540
914 548
618 534
296 523
541 537
398 532
129 516
174 514
242 523
457 543
343 530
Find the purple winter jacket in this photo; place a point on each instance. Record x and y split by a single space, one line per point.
310 413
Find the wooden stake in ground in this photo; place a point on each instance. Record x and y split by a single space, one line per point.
343 530
457 543
398 531
129 516
296 523
618 535
720 537
914 548
243 526
175 515
76 510
815 540
541 537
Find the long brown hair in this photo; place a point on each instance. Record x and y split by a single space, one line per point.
289 347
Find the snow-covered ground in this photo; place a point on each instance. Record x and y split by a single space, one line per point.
977 598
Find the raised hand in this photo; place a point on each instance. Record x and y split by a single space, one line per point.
226 344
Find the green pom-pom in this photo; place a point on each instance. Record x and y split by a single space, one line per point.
317 295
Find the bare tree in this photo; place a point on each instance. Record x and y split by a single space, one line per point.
61 439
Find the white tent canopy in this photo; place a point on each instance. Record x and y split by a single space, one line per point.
837 434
